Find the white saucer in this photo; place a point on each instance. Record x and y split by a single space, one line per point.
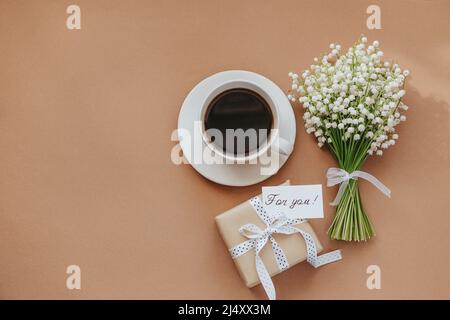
234 174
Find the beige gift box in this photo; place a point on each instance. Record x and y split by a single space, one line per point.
294 245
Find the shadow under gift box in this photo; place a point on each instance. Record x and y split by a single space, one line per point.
293 245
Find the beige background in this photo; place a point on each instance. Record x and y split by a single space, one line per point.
85 170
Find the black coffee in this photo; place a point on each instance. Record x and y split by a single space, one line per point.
239 109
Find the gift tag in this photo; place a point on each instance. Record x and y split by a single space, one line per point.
301 201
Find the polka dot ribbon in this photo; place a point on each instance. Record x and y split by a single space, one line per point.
258 239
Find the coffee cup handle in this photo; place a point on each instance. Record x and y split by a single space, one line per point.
283 146
280 148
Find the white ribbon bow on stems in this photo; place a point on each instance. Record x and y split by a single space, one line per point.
340 176
258 239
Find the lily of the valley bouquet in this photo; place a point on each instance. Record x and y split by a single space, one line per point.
352 104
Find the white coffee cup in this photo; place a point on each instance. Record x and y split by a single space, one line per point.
274 142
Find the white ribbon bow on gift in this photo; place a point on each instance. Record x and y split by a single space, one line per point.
340 176
258 239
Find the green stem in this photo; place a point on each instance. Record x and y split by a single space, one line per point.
351 223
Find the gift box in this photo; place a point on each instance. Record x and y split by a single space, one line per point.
291 241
